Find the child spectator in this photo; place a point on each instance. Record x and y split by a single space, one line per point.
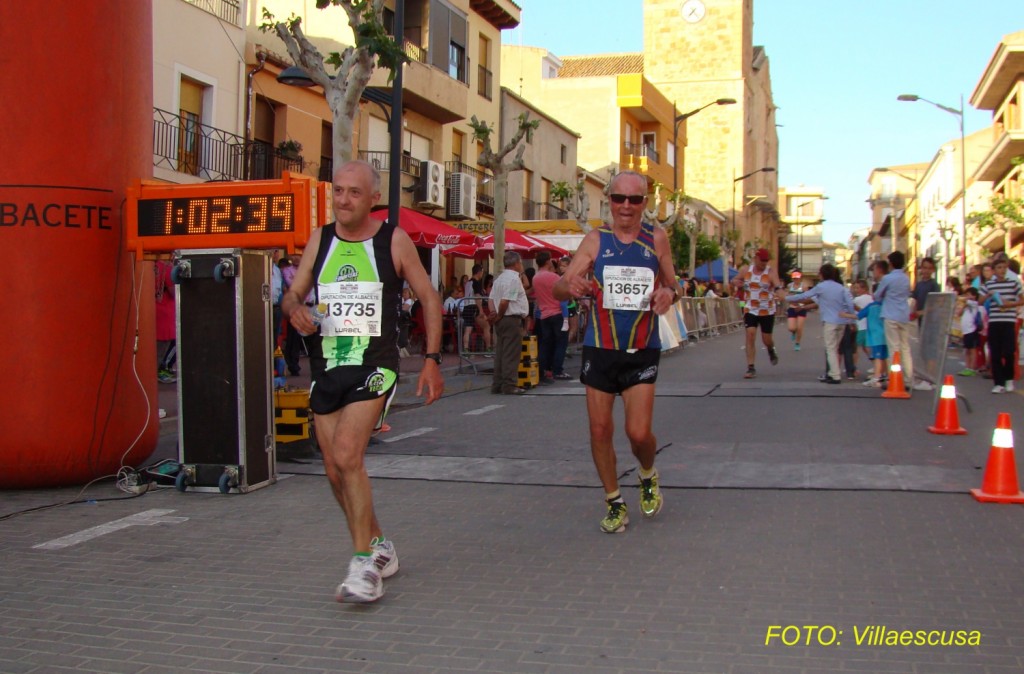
971 323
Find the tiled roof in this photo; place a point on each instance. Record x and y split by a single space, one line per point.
601 66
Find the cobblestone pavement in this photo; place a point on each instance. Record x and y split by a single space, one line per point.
513 575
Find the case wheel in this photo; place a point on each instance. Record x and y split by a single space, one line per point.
218 273
176 275
181 482
224 484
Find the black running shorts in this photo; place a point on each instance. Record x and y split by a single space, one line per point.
766 323
347 384
614 371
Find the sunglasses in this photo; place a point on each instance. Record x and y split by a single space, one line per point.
635 199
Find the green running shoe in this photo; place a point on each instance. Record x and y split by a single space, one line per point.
616 520
650 496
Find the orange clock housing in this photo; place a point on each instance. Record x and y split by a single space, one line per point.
249 214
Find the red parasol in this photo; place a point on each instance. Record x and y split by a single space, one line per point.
425 231
524 244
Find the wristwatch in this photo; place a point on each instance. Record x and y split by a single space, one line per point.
436 357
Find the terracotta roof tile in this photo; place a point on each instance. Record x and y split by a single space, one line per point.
601 66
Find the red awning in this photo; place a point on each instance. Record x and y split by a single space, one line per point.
524 244
425 231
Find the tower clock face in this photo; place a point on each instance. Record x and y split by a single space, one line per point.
693 11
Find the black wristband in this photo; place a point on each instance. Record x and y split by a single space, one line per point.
436 357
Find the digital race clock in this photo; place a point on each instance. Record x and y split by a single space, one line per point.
245 214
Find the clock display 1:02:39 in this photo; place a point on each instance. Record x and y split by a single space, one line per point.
239 214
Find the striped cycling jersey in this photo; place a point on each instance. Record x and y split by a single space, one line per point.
370 260
623 329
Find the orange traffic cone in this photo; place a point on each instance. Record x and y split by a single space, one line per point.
896 388
999 485
947 419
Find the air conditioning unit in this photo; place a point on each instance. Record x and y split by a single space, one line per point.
462 196
430 191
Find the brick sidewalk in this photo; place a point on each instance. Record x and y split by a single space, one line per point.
499 578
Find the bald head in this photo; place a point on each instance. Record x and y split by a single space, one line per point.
370 173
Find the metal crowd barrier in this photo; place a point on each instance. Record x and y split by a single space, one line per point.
477 342
706 317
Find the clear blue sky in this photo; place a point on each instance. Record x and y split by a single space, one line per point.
836 70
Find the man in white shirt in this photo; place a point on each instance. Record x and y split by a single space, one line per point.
508 299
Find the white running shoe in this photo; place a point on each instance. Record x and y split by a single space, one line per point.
363 584
998 389
923 386
1009 386
384 557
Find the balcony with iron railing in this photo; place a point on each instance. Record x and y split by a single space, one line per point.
183 145
415 52
642 150
228 10
382 162
531 209
542 210
552 212
484 183
484 82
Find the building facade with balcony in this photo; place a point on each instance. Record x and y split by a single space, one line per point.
1001 90
892 188
451 46
549 158
199 89
937 215
803 217
625 123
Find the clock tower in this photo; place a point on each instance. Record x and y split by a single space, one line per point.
696 52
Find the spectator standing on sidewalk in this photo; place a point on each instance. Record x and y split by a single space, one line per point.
166 323
761 285
509 308
550 323
634 282
835 305
894 293
926 283
1005 293
971 323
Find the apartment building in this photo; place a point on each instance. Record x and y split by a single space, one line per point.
939 215
803 216
549 157
1001 90
892 188
199 92
453 47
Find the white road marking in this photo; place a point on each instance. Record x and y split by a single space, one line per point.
410 434
483 410
146 518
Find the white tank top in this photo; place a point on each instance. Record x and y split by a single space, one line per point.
760 292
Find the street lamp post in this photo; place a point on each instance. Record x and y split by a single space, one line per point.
675 134
963 173
765 169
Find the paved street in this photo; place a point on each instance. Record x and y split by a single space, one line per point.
788 503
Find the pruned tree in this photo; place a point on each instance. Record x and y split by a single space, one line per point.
574 199
664 195
495 163
352 67
1004 213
